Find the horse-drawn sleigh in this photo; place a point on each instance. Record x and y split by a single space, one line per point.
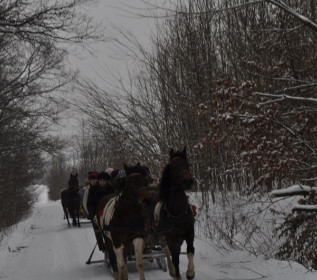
156 229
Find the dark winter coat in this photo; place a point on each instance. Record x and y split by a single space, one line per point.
94 196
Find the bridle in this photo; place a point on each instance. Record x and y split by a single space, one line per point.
186 174
133 195
175 188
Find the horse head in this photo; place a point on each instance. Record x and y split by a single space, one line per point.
73 182
180 175
144 170
137 182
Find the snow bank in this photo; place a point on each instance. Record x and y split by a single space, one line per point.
13 236
40 192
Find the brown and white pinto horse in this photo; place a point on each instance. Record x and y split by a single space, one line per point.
123 222
173 213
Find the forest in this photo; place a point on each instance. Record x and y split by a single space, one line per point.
234 81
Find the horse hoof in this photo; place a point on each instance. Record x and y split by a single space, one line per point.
190 277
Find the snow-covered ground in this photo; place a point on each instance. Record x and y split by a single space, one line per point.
44 248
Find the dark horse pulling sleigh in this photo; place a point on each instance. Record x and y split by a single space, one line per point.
71 201
173 214
125 219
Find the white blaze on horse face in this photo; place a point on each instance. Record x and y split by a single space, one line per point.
138 250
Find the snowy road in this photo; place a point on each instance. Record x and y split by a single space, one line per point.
50 251
44 248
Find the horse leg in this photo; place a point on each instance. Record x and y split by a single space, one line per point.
138 250
73 216
112 257
74 221
170 265
122 266
77 214
164 248
175 251
190 274
66 215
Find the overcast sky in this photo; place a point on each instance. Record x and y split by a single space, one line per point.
119 14
106 58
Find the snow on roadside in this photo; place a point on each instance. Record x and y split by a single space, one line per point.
40 192
17 234
58 252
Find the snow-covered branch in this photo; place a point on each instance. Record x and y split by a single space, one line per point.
282 97
287 9
293 190
305 208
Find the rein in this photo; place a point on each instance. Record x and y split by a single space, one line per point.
170 225
183 213
136 229
179 187
139 229
134 199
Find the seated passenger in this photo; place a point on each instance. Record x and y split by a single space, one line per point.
96 193
105 186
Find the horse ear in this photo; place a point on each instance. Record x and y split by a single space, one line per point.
125 166
184 151
138 164
171 153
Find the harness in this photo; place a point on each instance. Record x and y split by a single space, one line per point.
183 213
114 202
165 222
134 199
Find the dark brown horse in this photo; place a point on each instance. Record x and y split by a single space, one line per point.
173 213
123 222
70 198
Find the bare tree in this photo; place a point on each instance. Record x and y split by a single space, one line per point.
57 176
35 38
235 81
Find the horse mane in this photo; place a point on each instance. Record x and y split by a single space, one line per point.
182 154
73 181
164 183
138 168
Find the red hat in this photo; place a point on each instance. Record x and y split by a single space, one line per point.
93 175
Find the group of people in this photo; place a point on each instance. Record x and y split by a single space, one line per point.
99 186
